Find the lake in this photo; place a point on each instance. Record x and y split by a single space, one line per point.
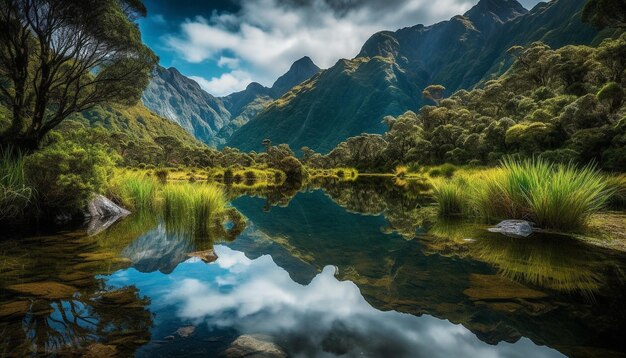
345 269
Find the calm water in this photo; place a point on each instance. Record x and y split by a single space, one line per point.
344 269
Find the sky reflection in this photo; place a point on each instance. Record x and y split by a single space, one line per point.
327 317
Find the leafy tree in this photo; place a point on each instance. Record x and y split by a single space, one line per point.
612 94
434 93
59 57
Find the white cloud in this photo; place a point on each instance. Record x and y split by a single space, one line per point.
268 35
260 297
229 62
227 83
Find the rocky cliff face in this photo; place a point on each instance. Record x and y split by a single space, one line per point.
211 119
180 99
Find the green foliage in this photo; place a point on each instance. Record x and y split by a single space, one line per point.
135 191
450 196
66 174
555 196
15 194
605 13
192 208
563 104
101 59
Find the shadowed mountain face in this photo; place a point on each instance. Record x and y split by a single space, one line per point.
180 99
392 69
210 119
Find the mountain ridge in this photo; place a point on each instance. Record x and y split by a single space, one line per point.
398 65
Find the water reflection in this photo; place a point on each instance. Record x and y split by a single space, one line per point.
359 268
326 317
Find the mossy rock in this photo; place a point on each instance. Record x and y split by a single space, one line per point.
494 287
47 289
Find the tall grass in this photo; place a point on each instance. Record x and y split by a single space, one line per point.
15 194
560 197
192 208
451 196
136 191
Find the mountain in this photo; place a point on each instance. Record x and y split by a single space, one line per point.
180 99
388 75
300 71
211 119
248 103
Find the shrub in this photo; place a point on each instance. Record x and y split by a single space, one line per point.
66 174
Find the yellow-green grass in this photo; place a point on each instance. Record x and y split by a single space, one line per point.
554 196
15 194
136 191
192 208
345 174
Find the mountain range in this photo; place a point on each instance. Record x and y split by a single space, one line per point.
213 119
319 109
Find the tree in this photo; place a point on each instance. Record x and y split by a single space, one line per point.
434 93
605 13
612 94
59 57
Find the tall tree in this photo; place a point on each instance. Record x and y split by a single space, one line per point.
59 57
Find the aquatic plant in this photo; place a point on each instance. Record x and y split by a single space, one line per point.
450 196
192 208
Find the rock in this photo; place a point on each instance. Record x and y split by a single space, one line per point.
207 256
169 338
49 289
513 228
185 331
97 350
102 207
254 346
102 213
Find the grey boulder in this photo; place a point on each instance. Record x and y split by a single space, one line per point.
102 213
513 228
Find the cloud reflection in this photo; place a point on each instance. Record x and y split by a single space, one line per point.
327 317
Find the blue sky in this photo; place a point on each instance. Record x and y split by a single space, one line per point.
226 44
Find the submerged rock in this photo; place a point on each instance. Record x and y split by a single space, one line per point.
254 346
513 228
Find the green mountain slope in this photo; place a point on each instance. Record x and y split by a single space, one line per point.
393 68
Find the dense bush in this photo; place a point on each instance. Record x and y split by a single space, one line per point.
565 105
66 174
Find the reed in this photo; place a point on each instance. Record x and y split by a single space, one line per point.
15 194
192 208
554 196
134 190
